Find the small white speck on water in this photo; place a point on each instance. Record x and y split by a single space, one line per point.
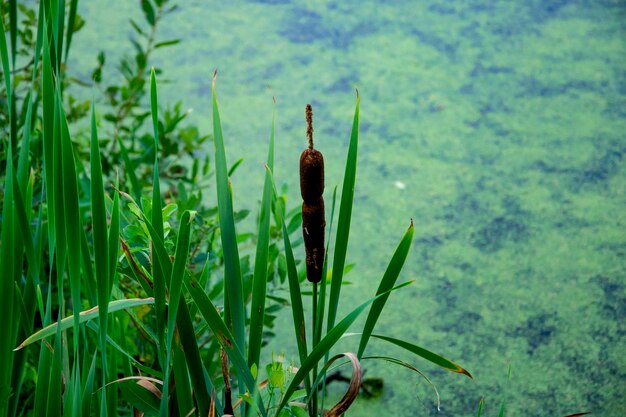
399 185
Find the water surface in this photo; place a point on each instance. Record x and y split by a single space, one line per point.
498 126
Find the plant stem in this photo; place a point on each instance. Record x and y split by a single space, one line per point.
313 408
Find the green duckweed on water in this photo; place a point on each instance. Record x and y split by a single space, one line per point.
498 126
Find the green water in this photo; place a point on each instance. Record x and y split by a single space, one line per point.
498 126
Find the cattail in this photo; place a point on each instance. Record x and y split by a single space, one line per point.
312 188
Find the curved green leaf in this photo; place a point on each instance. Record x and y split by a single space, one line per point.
387 282
426 354
83 317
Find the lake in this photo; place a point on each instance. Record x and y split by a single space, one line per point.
498 126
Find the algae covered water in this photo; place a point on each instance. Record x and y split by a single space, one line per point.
498 126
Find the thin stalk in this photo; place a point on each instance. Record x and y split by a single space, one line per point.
313 408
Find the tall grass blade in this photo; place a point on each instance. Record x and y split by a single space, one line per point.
508 378
22 221
48 111
89 387
259 281
235 314
43 368
387 282
22 163
57 194
158 275
58 8
71 21
480 407
99 227
114 243
4 54
9 267
345 215
196 367
130 171
56 374
321 306
39 41
176 282
13 31
71 219
181 381
178 271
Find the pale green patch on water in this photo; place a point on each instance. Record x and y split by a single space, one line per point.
506 123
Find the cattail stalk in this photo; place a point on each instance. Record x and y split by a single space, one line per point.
313 220
311 189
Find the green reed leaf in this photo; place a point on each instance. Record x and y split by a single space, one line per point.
22 220
13 30
4 54
130 171
345 216
84 316
181 378
71 216
388 281
232 269
114 243
89 387
178 271
48 111
175 287
197 370
480 407
321 305
71 23
158 275
426 354
54 396
8 267
99 227
259 280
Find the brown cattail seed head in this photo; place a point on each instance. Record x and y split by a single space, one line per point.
311 175
313 224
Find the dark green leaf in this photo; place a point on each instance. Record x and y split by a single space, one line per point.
388 281
166 43
148 11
